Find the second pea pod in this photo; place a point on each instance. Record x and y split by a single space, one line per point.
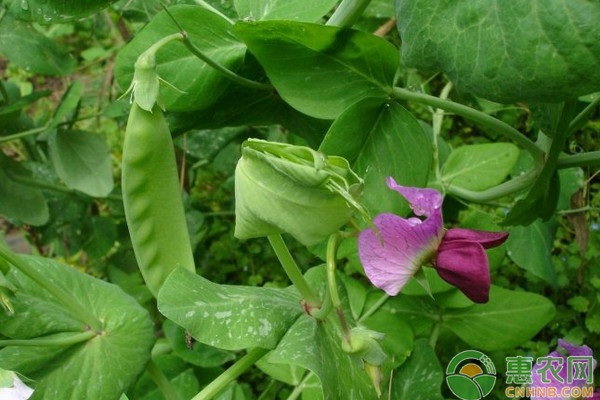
152 198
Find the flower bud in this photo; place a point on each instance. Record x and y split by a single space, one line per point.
285 188
363 344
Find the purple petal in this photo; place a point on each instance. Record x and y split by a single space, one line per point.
574 350
485 238
422 201
465 265
393 255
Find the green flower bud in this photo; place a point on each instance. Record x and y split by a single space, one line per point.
363 343
285 188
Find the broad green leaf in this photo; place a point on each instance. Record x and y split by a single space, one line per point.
82 160
479 166
316 346
18 200
228 317
321 70
117 352
197 353
56 11
240 106
297 10
198 84
380 9
35 52
182 378
420 377
381 139
571 180
530 247
507 320
522 50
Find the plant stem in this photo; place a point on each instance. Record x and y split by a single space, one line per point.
435 334
300 387
66 339
229 74
68 301
378 304
491 123
437 119
332 246
293 272
21 135
347 13
512 186
591 158
582 117
240 366
162 382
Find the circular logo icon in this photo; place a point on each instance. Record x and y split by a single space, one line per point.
471 375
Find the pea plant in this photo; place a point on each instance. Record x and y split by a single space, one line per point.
412 179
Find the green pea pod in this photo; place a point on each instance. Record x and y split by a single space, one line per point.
152 199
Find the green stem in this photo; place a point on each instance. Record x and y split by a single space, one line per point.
582 117
240 366
435 333
591 158
64 339
491 123
378 304
347 13
68 301
162 382
297 392
293 272
227 73
332 246
24 134
512 186
437 119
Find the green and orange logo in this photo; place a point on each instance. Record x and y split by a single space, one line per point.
471 375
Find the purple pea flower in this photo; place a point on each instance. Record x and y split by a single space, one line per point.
551 371
400 246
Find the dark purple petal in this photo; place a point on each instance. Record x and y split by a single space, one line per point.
464 264
485 238
422 201
392 255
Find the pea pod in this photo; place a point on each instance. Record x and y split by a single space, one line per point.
152 199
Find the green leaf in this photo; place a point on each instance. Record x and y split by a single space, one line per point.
398 340
321 70
240 106
297 10
198 84
56 11
228 317
68 104
507 320
381 139
523 50
117 353
19 201
479 166
316 346
83 161
35 52
198 354
530 247
421 377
